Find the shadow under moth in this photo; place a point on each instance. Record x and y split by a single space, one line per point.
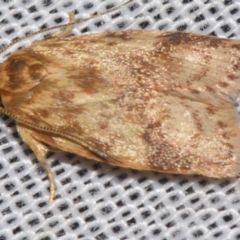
147 100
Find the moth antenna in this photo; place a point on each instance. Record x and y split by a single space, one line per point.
28 123
40 127
63 25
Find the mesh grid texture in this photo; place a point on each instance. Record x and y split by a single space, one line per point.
98 201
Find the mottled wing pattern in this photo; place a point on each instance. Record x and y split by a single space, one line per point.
137 99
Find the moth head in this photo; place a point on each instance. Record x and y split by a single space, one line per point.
20 73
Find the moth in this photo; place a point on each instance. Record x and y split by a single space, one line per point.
147 100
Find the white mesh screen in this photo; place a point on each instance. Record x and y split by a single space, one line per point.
98 201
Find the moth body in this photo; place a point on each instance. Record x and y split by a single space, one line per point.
145 100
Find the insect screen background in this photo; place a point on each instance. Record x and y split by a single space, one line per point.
98 201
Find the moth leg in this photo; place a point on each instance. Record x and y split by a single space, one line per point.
51 180
67 29
40 150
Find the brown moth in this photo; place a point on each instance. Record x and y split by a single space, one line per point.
147 100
